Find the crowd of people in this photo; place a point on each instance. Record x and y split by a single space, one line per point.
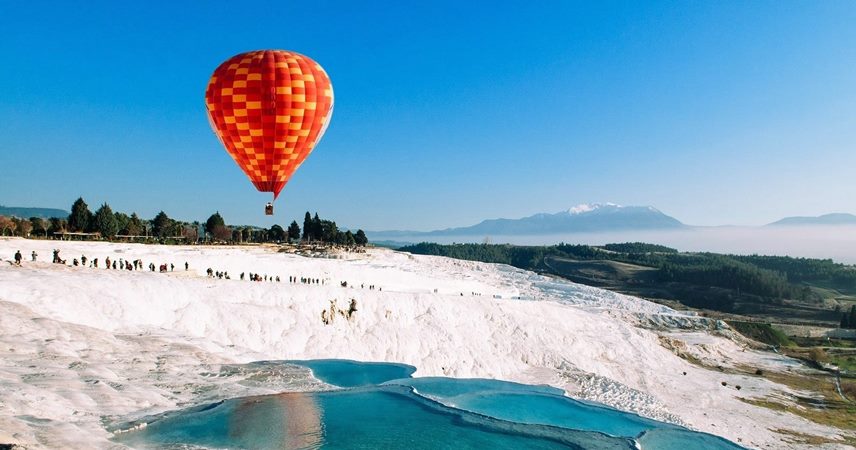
224 275
292 279
95 263
327 315
138 264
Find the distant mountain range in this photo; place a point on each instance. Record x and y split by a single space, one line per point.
26 213
581 218
826 219
586 218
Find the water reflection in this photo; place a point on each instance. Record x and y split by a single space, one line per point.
288 420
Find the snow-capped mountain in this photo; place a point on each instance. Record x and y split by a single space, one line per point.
580 218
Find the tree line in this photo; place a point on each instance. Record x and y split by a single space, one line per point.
804 269
316 229
769 277
107 224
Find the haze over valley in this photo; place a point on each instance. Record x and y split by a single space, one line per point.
829 236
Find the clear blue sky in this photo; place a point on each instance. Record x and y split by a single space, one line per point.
446 114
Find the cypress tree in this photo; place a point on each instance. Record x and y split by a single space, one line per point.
317 228
307 226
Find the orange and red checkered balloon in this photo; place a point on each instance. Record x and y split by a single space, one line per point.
269 108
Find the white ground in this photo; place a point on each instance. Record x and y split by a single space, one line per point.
82 348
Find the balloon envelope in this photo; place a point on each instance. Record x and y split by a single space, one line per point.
269 108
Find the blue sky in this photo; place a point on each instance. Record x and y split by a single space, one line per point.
446 113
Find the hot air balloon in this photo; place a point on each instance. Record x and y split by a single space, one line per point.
269 108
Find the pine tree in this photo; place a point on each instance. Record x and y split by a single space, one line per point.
293 231
135 226
161 224
307 227
851 321
122 220
80 216
216 220
329 231
349 238
361 238
845 323
277 233
105 222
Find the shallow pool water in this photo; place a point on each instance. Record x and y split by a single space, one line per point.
380 406
529 404
345 373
